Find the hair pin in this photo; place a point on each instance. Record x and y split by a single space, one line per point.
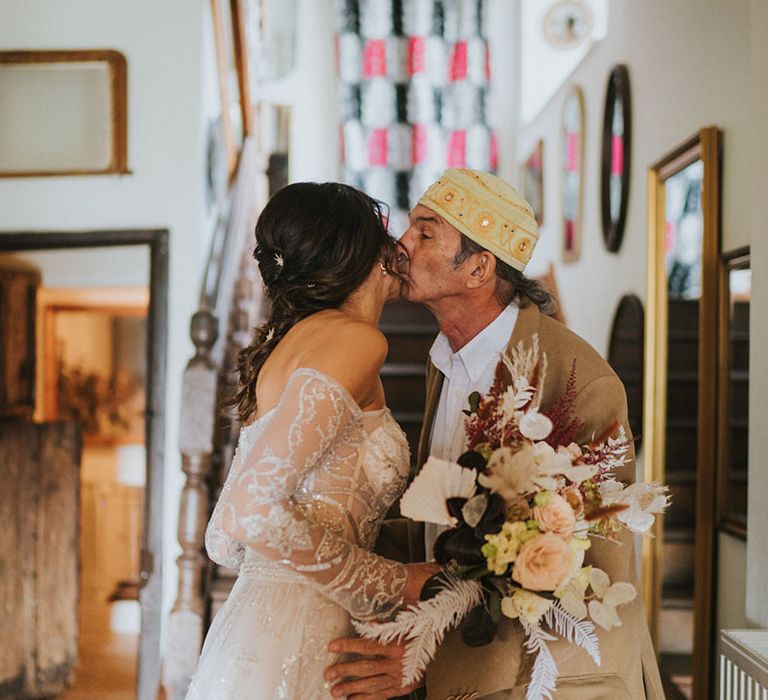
279 260
270 335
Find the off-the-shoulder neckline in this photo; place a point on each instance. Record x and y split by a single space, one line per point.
328 379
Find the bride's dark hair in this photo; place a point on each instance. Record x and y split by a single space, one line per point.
315 244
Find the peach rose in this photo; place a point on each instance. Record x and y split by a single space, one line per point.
543 563
557 516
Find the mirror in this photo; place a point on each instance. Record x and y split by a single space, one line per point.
573 172
733 418
679 417
616 151
62 113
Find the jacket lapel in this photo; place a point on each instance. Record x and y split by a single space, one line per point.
434 387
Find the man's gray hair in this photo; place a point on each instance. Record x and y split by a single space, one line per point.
510 283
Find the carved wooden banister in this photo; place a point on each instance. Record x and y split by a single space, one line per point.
230 303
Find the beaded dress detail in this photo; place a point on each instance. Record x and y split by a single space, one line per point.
298 515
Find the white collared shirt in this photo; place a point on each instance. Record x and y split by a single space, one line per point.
469 369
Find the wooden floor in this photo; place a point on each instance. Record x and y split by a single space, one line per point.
106 669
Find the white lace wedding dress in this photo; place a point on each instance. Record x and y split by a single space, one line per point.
298 515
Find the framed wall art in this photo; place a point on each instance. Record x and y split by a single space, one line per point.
735 298
573 125
62 113
233 39
616 152
533 181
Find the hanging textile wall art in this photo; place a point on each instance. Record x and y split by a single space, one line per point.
413 82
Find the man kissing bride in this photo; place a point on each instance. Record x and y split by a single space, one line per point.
320 458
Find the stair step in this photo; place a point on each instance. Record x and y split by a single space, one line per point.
683 376
403 312
405 393
682 477
677 598
408 417
679 535
678 563
682 423
401 369
417 329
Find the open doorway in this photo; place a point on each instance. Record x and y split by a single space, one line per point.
96 323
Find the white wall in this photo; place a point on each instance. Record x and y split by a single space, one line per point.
162 41
754 202
118 266
692 63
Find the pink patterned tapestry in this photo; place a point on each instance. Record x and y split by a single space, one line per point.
414 78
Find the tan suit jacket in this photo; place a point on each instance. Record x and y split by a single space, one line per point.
500 670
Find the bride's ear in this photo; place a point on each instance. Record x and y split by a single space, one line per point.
482 270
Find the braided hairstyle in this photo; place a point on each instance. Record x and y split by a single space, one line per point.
316 243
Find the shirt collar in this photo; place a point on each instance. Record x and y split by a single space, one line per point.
478 352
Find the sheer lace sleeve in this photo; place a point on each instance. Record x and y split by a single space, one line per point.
314 419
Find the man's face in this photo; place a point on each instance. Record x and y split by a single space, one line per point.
426 259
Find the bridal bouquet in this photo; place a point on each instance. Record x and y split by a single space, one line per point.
520 507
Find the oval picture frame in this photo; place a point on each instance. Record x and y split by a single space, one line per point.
616 157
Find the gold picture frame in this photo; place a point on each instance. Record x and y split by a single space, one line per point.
703 147
84 91
533 181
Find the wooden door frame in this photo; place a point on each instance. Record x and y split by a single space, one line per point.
149 657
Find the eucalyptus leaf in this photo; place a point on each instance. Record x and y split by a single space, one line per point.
494 606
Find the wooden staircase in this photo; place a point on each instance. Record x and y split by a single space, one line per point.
678 566
410 331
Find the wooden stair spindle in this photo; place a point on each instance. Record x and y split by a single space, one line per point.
222 310
186 622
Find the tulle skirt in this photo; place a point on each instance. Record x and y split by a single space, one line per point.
269 640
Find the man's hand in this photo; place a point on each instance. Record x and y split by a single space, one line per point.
376 675
418 575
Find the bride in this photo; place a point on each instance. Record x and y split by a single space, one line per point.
319 460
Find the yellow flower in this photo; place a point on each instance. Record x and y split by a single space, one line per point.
501 548
526 605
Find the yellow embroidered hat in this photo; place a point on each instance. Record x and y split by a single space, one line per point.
487 210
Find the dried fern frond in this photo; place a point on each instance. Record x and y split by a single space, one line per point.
544 674
424 625
578 632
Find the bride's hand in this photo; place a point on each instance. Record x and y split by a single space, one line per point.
417 577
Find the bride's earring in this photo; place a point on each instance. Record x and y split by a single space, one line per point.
384 267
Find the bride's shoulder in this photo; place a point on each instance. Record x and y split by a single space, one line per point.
350 341
335 332
350 351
